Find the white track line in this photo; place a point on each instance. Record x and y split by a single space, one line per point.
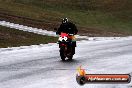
26 28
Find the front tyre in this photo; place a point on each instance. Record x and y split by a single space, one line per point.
70 57
62 54
63 57
70 54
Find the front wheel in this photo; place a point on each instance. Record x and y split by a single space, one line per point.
63 57
62 53
70 53
70 57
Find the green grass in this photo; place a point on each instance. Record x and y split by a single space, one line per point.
12 37
102 14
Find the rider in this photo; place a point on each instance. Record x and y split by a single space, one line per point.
67 27
70 28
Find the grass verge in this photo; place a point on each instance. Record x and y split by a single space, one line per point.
12 38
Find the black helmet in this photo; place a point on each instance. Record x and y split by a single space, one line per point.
65 20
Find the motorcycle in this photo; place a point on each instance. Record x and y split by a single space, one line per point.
67 46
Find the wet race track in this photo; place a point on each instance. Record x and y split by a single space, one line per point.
41 67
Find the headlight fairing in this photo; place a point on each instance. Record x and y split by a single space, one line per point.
60 39
63 38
